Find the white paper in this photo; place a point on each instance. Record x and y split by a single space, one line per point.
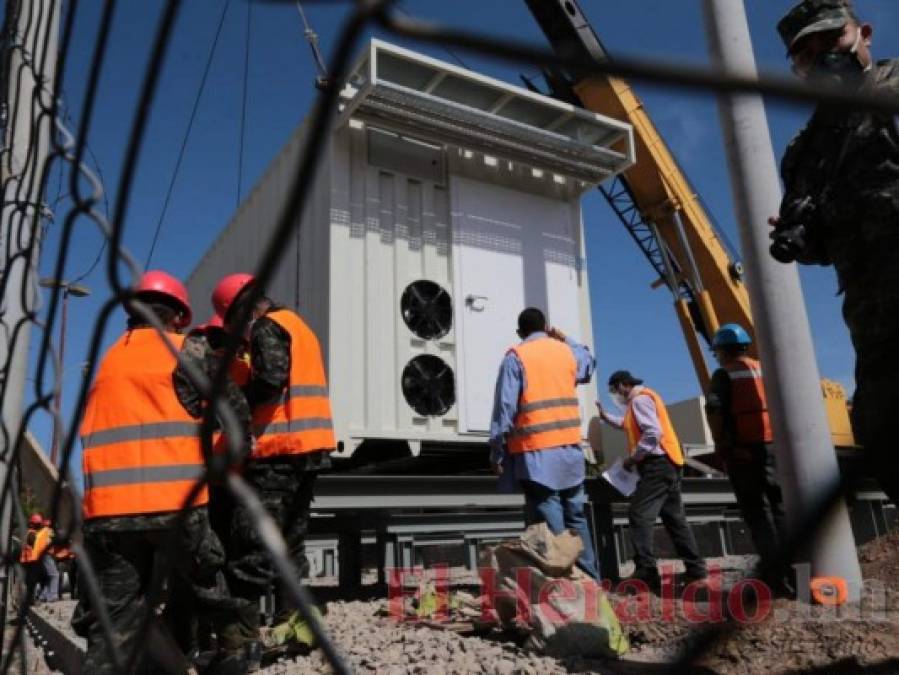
621 479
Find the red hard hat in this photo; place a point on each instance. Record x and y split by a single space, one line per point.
214 321
157 281
227 290
35 519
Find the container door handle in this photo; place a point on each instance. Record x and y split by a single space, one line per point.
476 303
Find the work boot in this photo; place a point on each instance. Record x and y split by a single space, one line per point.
247 659
290 638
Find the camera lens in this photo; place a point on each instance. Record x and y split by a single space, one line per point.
784 250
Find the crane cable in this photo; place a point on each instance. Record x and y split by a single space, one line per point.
190 124
321 80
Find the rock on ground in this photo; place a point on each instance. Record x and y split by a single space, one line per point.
790 637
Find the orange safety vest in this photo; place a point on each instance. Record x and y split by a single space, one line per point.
32 553
239 372
548 414
669 441
141 448
300 420
748 404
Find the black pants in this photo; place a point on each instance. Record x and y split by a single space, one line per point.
752 473
873 406
285 487
658 494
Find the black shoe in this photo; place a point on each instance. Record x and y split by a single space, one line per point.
690 576
650 578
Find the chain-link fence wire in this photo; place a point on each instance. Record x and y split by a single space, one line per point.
27 54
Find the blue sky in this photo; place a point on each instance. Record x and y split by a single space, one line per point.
634 326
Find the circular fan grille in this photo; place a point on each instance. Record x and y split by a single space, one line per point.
427 309
428 385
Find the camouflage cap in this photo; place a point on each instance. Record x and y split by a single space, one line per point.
814 16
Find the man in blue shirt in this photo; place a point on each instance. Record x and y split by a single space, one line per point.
536 429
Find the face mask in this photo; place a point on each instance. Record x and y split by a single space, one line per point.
620 399
840 68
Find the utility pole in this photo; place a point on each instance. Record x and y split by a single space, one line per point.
805 452
31 49
68 288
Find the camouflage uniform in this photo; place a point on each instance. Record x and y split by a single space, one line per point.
129 552
847 161
191 625
127 555
284 484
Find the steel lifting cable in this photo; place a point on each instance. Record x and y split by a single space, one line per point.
311 36
187 131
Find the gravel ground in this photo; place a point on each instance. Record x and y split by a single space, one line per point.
793 637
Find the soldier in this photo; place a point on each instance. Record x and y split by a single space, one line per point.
203 347
141 459
291 412
841 206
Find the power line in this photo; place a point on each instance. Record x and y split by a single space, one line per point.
190 125
243 112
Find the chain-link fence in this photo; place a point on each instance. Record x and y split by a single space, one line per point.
36 40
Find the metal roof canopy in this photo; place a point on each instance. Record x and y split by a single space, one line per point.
464 108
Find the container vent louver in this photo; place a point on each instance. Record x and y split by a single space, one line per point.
427 309
429 385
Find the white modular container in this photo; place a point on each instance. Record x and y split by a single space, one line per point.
446 203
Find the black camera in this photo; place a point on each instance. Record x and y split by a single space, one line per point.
790 237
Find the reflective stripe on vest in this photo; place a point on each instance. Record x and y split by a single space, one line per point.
748 405
548 414
300 421
141 448
669 441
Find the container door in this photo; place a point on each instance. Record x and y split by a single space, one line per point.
511 250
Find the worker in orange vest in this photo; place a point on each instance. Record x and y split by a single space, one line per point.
49 591
37 541
141 460
655 452
203 346
294 436
535 432
737 411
